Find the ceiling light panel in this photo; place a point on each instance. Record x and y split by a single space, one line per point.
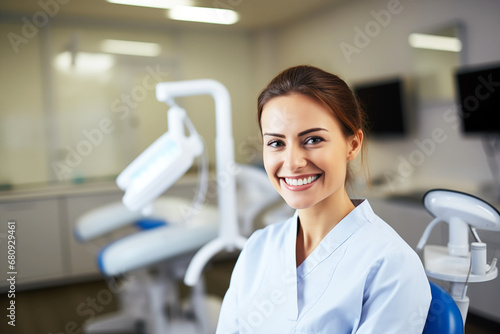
130 48
165 4
202 14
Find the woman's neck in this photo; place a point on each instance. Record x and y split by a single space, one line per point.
317 221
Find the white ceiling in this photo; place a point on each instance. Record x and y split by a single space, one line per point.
254 14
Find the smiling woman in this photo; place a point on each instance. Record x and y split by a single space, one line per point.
335 266
302 140
325 90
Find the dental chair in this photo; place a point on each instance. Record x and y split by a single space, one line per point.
444 316
459 262
154 260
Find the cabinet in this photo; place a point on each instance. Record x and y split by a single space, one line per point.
47 253
46 250
39 240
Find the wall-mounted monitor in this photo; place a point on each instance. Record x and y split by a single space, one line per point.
383 103
478 93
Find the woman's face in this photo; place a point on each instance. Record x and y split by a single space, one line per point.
305 151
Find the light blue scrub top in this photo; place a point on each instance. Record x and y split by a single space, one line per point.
361 278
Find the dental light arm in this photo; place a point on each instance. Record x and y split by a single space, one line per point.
228 238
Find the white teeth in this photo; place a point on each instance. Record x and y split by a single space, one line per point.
300 182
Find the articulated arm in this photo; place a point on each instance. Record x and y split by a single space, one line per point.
229 237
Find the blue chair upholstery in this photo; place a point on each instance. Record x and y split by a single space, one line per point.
149 223
444 317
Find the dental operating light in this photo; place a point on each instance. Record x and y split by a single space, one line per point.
161 164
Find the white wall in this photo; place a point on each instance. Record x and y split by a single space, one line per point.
22 131
42 117
456 161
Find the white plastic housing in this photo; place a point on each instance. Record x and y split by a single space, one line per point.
445 204
459 210
478 258
160 165
458 242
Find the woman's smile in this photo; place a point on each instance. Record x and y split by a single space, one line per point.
299 183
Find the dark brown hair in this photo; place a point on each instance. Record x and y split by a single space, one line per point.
327 89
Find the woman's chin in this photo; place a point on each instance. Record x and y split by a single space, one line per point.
299 204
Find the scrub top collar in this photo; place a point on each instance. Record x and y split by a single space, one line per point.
330 243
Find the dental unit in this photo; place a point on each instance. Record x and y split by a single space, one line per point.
178 243
459 262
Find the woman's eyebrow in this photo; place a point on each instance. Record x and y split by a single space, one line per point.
274 134
303 133
311 130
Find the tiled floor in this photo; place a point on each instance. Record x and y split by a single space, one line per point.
62 310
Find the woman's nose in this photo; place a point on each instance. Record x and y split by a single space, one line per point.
295 158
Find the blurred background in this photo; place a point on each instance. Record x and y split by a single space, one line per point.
77 105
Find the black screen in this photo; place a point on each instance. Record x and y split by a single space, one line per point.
383 105
479 99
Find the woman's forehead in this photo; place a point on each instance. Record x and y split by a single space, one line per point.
295 113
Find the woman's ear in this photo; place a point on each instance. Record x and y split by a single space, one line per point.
354 143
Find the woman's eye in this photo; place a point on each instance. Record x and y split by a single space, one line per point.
275 143
313 140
